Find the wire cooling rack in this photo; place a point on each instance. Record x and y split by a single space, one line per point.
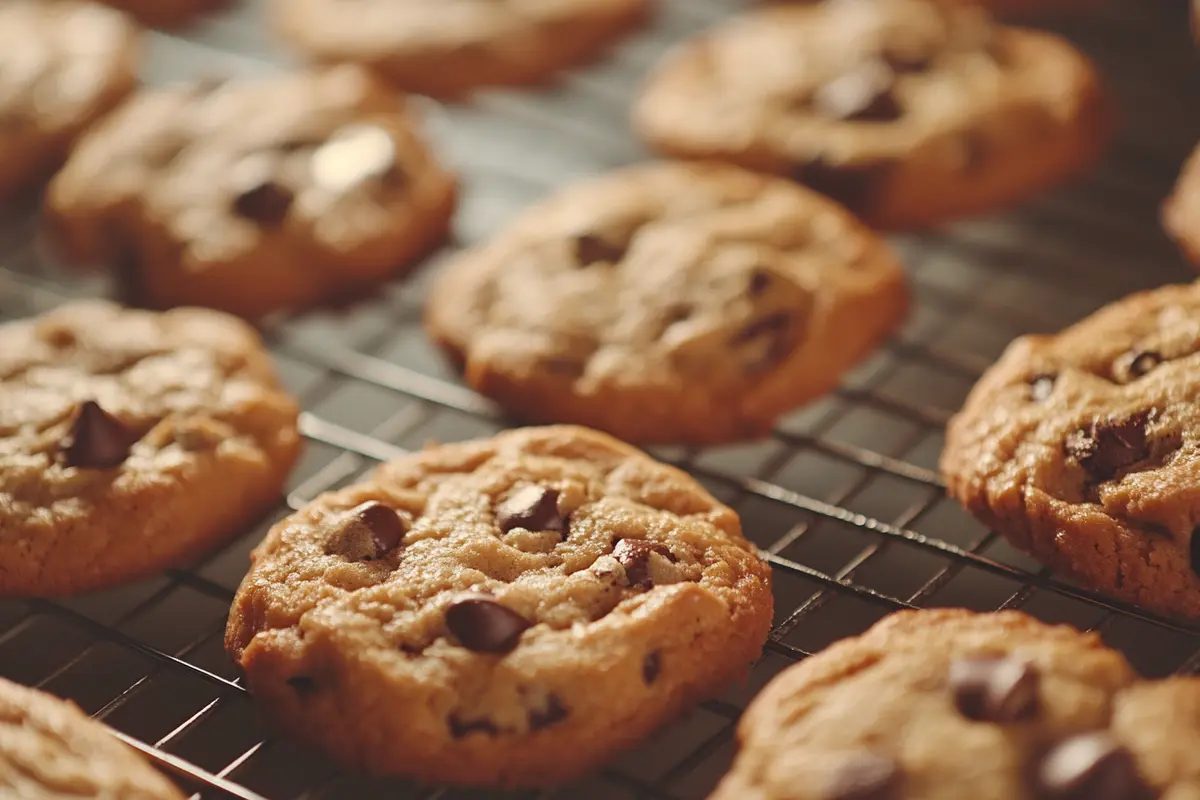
843 498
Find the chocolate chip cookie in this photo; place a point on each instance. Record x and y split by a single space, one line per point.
49 749
166 13
669 302
131 441
254 195
944 705
1181 211
1082 449
910 112
508 611
446 48
63 65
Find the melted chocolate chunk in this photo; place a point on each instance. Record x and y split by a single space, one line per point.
98 440
592 249
855 186
864 94
303 685
1090 767
554 713
266 203
1001 690
483 625
770 335
386 526
652 667
1138 363
907 62
1041 387
460 728
634 555
1194 551
534 508
1109 446
760 279
866 776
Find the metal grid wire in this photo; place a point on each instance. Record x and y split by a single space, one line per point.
843 498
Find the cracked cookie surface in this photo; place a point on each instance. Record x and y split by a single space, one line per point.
254 195
669 302
446 48
1083 449
131 441
909 112
63 65
947 704
508 611
50 750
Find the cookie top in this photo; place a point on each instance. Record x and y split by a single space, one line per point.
50 750
130 440
254 195
944 704
447 49
1082 448
669 302
910 112
506 611
62 65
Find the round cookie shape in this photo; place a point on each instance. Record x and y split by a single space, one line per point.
50 750
669 302
889 715
1082 448
448 48
909 112
166 13
254 195
63 65
131 441
556 595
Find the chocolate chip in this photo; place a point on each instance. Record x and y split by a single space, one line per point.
1001 690
460 728
770 335
98 439
482 624
651 667
865 776
266 203
1109 446
554 713
1041 387
386 526
1137 363
591 249
760 279
864 94
1090 767
855 186
353 155
534 508
303 685
634 555
901 62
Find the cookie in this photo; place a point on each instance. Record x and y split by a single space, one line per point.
1181 211
909 112
167 13
49 749
254 195
131 441
941 705
63 65
669 302
446 50
1082 449
504 612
